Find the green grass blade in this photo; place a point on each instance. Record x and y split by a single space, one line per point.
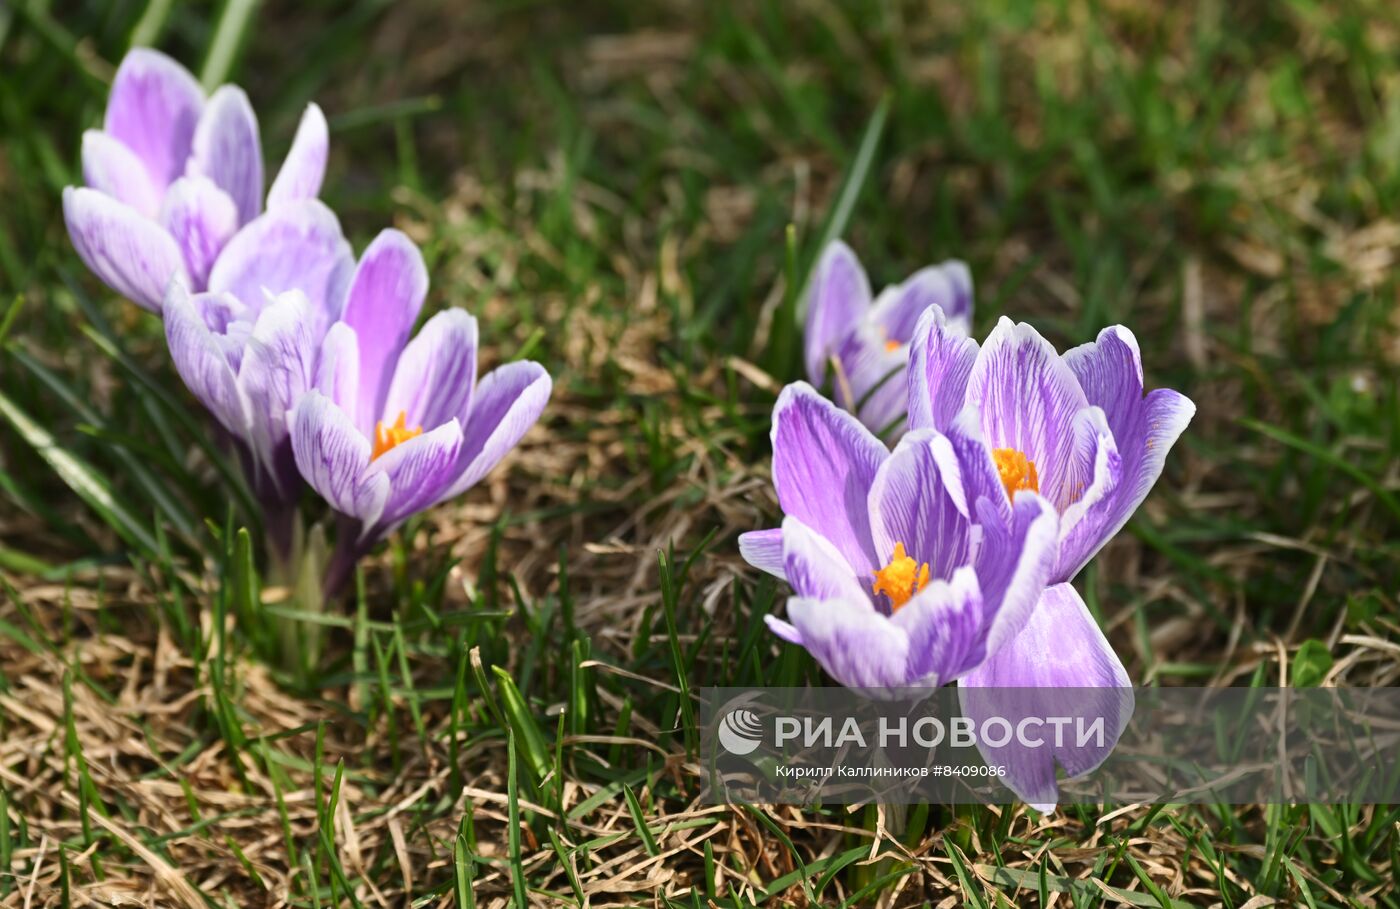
80 478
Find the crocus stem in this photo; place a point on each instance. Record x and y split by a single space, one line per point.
280 526
348 550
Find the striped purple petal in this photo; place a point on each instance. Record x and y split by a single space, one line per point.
153 109
1060 664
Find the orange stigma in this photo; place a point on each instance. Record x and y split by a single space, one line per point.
1016 471
901 578
388 437
891 346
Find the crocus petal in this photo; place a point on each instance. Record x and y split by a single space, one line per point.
917 501
815 568
507 403
1028 399
418 471
201 217
333 457
838 299
153 109
385 297
276 372
338 369
763 549
278 366
959 312
857 646
1014 563
785 630
940 361
297 247
898 309
870 380
201 361
1045 671
1144 429
1087 499
130 253
109 166
227 150
943 623
436 373
824 462
981 482
305 165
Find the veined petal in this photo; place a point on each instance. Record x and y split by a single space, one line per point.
305 165
917 500
507 403
202 362
785 630
981 482
899 308
1060 664
275 373
1144 429
1028 399
132 255
1014 563
1094 475
959 312
333 457
297 247
871 380
824 462
857 646
418 471
941 358
436 374
385 298
153 109
836 303
815 568
227 150
763 549
201 217
111 167
223 313
1109 369
944 625
338 369
278 365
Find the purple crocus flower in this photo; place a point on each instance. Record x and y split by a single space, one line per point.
393 426
247 347
863 346
172 176
1078 429
910 567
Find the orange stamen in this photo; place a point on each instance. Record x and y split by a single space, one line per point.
388 437
901 578
1016 471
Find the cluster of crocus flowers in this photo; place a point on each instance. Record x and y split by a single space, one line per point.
172 176
949 558
301 354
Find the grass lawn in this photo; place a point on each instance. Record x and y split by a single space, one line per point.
633 194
